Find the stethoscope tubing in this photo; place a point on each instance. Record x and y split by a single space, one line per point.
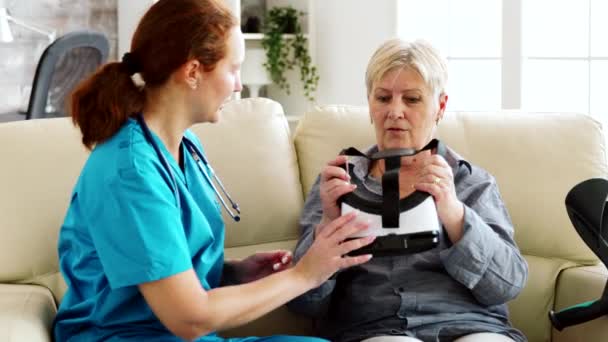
200 159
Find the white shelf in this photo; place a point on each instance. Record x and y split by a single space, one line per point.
253 36
260 36
296 103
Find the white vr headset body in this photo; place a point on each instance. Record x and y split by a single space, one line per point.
422 218
401 226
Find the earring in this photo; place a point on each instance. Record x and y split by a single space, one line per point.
194 84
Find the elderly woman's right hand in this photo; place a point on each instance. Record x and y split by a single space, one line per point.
334 183
328 252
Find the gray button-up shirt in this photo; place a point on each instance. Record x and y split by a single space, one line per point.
436 295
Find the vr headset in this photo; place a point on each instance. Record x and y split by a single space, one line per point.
401 226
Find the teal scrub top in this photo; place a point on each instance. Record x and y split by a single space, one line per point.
124 227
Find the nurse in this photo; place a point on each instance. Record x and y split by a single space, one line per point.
141 248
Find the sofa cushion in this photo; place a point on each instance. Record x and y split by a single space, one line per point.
41 160
323 133
536 159
26 313
279 321
245 251
529 311
250 149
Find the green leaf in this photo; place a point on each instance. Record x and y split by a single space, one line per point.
285 54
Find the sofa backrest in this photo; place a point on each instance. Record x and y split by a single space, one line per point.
41 160
250 149
536 159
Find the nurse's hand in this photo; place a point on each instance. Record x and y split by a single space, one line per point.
328 252
260 265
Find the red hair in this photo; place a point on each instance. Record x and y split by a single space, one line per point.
169 34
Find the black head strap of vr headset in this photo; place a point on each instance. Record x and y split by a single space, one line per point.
391 205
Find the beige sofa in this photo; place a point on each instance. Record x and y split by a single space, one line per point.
536 159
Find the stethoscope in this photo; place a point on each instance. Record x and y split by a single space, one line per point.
200 159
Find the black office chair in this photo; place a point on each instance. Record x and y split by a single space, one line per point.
64 63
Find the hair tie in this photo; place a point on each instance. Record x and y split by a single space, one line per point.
130 64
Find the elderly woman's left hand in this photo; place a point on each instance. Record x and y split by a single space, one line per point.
436 178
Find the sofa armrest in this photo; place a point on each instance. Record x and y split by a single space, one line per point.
577 285
26 313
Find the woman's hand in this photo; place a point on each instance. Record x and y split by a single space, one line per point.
334 183
260 265
328 252
436 178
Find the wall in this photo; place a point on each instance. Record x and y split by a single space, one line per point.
18 59
347 33
128 13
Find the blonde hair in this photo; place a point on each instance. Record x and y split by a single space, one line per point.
418 55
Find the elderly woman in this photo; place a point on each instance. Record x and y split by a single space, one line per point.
456 291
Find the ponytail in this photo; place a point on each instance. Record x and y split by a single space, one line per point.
169 34
102 103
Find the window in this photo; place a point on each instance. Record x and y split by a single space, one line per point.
537 55
474 55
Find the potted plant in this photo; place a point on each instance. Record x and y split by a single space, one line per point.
285 53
